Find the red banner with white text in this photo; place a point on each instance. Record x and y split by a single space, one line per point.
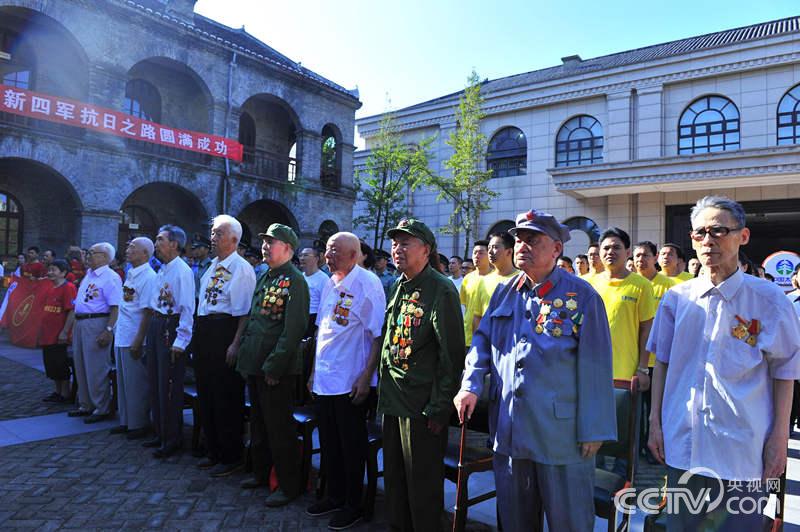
88 116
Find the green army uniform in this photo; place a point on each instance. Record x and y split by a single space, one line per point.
270 346
421 362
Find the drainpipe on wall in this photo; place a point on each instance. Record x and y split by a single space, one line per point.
228 109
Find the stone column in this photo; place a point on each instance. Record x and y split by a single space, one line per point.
650 122
618 129
98 225
347 164
309 157
107 89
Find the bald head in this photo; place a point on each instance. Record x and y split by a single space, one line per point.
139 251
342 253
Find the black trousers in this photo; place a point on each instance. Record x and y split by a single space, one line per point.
220 388
273 434
56 363
343 440
165 379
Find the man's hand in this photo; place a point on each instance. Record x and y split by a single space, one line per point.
360 389
590 448
775 454
644 381
136 349
104 338
435 427
230 355
175 353
270 381
465 405
62 337
656 442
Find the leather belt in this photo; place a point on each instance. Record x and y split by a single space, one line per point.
215 316
90 316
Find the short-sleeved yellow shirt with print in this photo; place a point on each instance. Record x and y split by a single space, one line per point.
661 283
466 294
628 302
484 291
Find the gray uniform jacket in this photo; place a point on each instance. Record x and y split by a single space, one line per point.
548 351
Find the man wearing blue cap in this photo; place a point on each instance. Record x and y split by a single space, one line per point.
545 342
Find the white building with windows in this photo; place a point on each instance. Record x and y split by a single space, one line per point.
633 139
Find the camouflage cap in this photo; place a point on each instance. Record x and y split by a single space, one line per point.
284 233
414 228
541 222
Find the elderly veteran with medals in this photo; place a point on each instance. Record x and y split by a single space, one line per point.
226 289
727 351
421 361
544 340
269 358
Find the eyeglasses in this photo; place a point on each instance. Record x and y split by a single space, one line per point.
716 231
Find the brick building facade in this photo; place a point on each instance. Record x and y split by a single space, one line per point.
158 60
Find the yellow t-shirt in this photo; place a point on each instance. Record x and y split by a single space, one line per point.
681 277
661 283
466 294
628 302
484 290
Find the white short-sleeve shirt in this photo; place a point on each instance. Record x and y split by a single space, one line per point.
100 290
227 287
135 297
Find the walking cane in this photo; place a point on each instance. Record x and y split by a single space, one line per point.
459 519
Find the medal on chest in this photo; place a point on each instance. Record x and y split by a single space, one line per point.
92 292
341 312
166 300
215 284
410 317
275 296
128 293
747 331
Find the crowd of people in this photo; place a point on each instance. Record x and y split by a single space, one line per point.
422 340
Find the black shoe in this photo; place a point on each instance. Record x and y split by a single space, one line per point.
166 452
344 519
225 470
79 413
149 444
122 429
96 418
324 507
252 483
137 434
206 463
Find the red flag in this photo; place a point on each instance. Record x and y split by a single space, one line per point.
24 312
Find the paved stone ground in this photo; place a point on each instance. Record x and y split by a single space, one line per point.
21 392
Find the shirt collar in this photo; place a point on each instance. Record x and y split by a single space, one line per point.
272 272
348 280
226 263
99 271
134 272
410 284
727 288
540 289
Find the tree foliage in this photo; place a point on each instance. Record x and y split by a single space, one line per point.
467 185
392 171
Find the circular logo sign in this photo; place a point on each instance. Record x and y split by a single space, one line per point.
21 314
781 265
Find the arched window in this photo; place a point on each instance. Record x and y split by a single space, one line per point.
508 153
788 119
329 172
709 124
579 141
15 61
10 225
587 225
142 100
500 227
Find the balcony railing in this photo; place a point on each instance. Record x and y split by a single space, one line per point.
41 126
160 150
330 180
270 165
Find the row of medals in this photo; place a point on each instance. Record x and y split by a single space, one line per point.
747 330
341 312
214 288
165 298
548 317
410 315
275 297
91 293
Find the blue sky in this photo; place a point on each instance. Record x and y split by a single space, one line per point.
404 52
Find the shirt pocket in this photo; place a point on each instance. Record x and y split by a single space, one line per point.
736 359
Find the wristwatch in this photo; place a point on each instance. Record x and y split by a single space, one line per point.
642 370
109 328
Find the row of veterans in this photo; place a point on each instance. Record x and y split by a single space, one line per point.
726 355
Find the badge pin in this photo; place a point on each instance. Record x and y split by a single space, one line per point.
557 332
558 303
539 329
571 304
415 295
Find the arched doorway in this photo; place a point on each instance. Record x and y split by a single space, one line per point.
327 229
38 207
257 216
156 204
500 227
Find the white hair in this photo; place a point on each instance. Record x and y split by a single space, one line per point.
106 248
146 243
350 240
230 221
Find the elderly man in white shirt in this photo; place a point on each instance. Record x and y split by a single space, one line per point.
350 318
170 331
96 312
132 393
226 290
727 351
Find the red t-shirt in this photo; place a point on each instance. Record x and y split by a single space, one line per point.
78 270
57 304
34 270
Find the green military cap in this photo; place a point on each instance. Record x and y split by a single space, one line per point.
284 233
414 228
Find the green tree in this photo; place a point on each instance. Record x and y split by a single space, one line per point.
392 171
467 185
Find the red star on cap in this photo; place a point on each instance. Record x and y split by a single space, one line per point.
530 215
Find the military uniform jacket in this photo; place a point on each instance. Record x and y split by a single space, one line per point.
548 351
276 325
423 348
